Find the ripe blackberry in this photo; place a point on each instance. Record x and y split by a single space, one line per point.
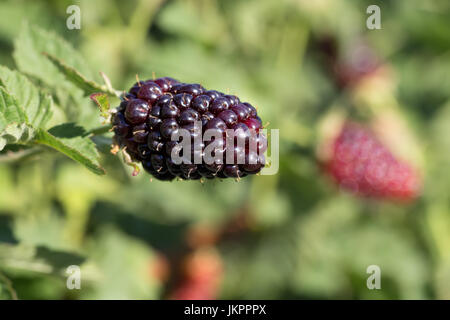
154 110
361 164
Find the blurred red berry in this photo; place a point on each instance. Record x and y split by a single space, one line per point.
361 164
160 268
203 266
191 290
201 276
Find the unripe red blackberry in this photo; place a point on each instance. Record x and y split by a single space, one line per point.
359 162
153 111
201 276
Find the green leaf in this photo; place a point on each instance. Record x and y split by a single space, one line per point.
40 259
13 126
10 110
101 100
16 133
74 76
124 261
36 104
30 45
71 140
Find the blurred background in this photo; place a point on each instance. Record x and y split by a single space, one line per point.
293 235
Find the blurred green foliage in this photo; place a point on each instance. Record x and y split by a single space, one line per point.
307 239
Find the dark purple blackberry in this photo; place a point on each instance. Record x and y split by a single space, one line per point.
242 111
234 101
250 109
253 123
253 162
169 127
154 141
192 89
121 127
183 100
135 89
136 111
154 110
206 117
140 133
214 94
229 117
201 103
220 104
232 171
216 124
149 91
188 116
144 152
169 110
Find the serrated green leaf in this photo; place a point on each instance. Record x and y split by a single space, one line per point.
10 110
16 133
45 110
78 79
36 104
13 127
30 45
71 140
101 100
